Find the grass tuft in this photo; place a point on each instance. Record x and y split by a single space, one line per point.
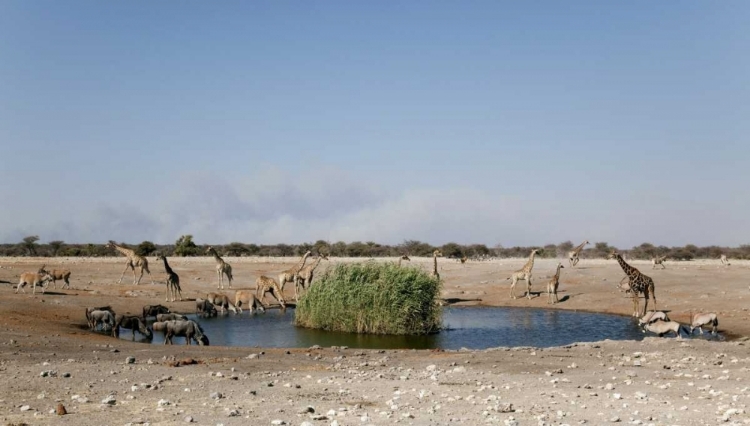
376 298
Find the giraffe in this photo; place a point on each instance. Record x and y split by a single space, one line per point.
435 255
573 254
305 275
637 282
134 261
553 284
263 285
288 275
222 268
403 257
658 260
724 260
173 280
524 274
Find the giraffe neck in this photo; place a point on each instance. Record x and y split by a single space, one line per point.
126 252
317 262
166 266
301 263
557 274
218 259
580 247
629 270
434 258
530 263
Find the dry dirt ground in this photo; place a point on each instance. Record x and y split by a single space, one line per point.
48 357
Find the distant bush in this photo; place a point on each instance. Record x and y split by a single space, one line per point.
377 298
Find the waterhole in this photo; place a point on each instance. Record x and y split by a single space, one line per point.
464 327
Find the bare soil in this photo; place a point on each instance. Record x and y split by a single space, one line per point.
656 381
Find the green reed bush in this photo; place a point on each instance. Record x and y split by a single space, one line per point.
378 298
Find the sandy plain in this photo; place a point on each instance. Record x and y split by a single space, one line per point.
48 357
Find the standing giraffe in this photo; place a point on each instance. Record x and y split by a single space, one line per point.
222 268
435 255
134 261
658 260
288 275
637 282
524 274
305 275
403 257
553 284
573 254
724 260
173 280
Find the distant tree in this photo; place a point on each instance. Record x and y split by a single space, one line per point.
235 249
477 250
29 244
145 248
416 248
564 248
549 251
357 249
321 246
55 246
602 249
338 249
452 250
184 246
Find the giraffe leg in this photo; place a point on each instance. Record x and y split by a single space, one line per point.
149 273
139 277
123 273
512 288
528 287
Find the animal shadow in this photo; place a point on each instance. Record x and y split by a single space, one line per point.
453 300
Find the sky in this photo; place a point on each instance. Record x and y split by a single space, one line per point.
513 123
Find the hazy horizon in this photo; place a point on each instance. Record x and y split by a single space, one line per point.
280 122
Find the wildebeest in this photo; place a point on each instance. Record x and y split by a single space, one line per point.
133 323
153 310
100 308
170 317
191 330
101 317
699 320
34 279
205 308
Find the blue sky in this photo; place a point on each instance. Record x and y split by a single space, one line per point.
516 123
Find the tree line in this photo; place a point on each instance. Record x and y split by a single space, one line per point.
185 246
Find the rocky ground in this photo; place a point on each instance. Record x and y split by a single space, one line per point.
48 358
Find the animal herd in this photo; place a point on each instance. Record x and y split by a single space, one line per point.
635 283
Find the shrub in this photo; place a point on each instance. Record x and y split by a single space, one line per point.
377 298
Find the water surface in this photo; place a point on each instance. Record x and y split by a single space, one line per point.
465 327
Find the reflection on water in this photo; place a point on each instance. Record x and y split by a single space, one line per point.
469 327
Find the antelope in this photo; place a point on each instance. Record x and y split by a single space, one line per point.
699 320
34 279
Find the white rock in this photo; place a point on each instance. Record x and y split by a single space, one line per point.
25 408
